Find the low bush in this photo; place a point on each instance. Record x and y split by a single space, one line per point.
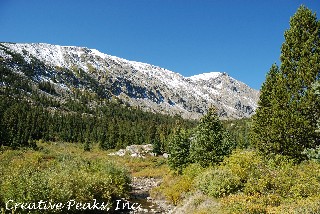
244 164
287 180
269 203
218 182
313 154
175 187
269 185
248 204
249 183
198 203
308 205
231 176
34 175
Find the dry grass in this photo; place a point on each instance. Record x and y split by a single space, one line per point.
154 167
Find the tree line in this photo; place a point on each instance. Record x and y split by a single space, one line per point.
29 113
112 126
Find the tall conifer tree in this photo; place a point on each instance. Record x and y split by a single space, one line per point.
262 125
288 108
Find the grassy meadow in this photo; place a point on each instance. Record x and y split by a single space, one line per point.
60 172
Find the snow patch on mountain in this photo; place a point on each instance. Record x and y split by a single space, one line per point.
206 76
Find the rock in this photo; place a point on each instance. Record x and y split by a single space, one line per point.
136 151
121 152
165 155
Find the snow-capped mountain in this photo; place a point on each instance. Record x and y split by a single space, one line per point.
150 87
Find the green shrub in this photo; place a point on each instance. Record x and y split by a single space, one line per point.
250 183
192 171
232 174
313 154
287 180
35 176
218 182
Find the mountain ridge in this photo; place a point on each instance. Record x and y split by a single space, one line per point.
147 86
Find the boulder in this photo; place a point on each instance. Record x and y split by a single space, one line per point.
135 151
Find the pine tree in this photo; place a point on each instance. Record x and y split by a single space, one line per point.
300 57
288 108
211 142
179 149
154 139
263 126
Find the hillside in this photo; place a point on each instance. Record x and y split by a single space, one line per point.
62 72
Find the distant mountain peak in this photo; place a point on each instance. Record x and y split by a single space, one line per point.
150 87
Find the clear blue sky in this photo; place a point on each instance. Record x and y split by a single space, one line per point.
240 37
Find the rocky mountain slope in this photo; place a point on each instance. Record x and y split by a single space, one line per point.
69 69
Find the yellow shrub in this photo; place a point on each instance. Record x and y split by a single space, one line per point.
249 204
249 183
308 205
243 163
175 187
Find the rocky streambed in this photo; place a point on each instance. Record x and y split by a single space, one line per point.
141 195
141 186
